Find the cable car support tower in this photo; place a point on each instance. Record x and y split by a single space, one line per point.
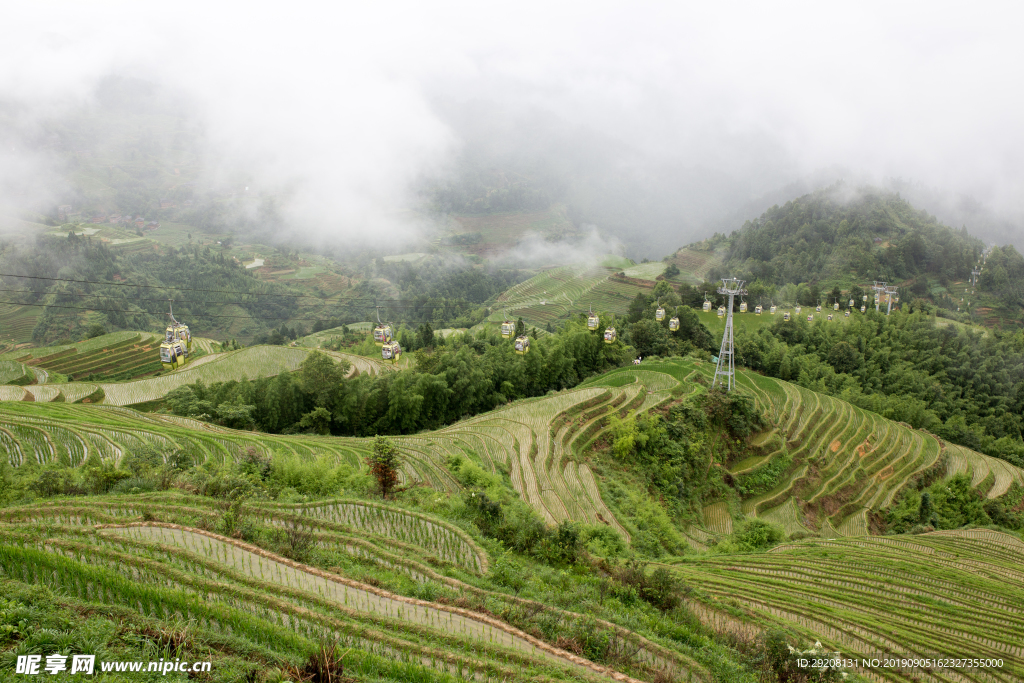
725 372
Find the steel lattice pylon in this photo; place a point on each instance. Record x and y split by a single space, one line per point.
726 356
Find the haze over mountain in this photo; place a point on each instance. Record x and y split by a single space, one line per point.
657 124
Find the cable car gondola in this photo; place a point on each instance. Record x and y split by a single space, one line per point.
758 310
659 313
522 345
785 316
391 351
810 317
835 306
773 309
797 310
743 307
817 309
592 320
830 317
707 303
863 308
610 335
177 343
382 333
846 314
851 303
673 324
721 311
508 328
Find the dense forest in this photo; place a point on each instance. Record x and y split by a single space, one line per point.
212 292
964 385
837 231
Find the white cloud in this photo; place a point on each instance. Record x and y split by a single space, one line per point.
337 102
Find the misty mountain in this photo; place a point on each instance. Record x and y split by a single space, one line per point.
841 232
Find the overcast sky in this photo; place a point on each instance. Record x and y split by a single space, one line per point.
345 103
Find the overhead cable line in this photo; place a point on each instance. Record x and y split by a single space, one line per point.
196 289
239 317
223 303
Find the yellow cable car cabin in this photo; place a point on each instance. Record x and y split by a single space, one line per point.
847 314
659 314
810 317
673 324
182 334
830 317
798 309
758 310
721 311
593 321
851 303
864 298
522 345
391 351
785 316
743 307
835 306
707 306
817 309
383 334
863 308
610 335
508 329
773 309
172 354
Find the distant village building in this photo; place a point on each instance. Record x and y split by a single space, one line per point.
114 219
99 219
153 225
63 212
139 222
166 204
878 240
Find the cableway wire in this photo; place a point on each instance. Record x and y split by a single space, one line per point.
223 303
201 315
195 289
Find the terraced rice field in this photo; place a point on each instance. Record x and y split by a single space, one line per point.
559 293
694 264
103 551
17 322
843 462
250 363
944 594
847 461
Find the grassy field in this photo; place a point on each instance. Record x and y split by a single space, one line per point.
646 271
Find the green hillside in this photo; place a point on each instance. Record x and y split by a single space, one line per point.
843 238
816 468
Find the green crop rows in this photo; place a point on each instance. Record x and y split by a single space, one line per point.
955 594
102 551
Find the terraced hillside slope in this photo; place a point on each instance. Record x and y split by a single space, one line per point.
248 363
104 551
558 293
947 594
823 467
